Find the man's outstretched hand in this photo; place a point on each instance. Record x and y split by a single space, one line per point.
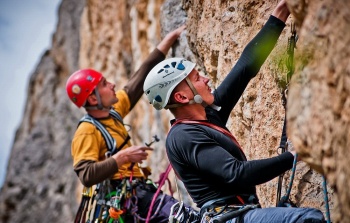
132 154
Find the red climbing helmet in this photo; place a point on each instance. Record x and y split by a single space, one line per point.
81 84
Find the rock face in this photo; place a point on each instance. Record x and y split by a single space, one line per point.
116 36
319 105
218 32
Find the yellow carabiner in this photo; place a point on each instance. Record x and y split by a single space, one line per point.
87 191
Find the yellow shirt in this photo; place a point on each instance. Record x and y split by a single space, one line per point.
89 144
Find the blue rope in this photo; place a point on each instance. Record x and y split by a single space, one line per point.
284 200
326 199
292 175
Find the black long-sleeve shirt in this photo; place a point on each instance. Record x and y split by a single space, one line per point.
208 162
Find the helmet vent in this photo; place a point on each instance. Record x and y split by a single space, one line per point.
158 98
180 66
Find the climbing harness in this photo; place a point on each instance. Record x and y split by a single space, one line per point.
220 210
210 212
98 201
227 212
110 141
285 201
112 200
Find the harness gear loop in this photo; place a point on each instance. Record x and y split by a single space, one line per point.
107 205
84 205
110 141
236 213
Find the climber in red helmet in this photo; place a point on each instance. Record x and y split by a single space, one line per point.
103 127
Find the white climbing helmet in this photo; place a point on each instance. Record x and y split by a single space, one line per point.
163 78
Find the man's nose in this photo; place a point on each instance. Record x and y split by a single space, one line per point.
112 86
206 80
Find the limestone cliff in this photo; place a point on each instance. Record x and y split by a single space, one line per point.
115 36
319 104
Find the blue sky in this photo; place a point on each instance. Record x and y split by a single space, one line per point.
26 29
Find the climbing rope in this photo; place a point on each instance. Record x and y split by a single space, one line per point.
164 176
285 201
325 192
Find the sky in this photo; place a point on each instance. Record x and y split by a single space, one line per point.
26 29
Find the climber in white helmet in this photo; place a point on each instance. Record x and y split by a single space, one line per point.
202 151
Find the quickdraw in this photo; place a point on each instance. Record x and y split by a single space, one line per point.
82 210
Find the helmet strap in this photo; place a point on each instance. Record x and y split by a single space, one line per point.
197 99
99 105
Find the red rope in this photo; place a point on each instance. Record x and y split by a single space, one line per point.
162 181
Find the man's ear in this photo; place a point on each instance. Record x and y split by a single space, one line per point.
180 97
92 100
